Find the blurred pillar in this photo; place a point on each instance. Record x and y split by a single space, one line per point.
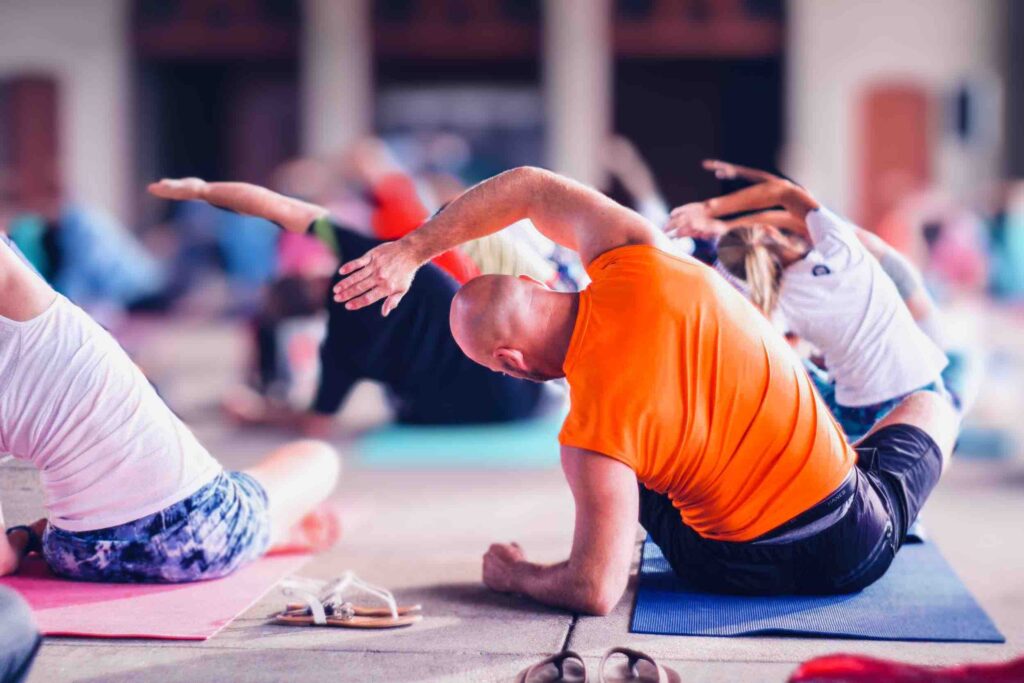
337 74
577 85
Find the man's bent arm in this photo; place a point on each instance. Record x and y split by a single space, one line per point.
567 212
595 576
294 215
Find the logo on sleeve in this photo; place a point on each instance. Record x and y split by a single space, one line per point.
820 269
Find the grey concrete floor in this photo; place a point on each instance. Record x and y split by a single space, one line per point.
422 533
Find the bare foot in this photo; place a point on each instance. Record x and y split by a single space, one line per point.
245 406
180 189
319 530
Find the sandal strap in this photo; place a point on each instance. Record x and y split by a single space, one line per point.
634 657
319 595
35 541
349 582
558 661
299 589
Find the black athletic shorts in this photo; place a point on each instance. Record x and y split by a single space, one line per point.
841 545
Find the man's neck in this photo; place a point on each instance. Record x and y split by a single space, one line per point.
558 310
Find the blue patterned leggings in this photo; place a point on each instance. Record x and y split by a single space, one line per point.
206 536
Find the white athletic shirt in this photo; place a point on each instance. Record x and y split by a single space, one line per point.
109 451
840 300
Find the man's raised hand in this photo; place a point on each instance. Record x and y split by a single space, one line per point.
180 189
384 272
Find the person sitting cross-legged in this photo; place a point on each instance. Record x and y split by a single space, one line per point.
130 493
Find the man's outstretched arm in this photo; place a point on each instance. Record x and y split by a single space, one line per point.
567 212
294 215
594 577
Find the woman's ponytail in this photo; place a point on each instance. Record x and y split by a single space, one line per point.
750 254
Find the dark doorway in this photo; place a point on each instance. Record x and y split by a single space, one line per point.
218 87
218 120
680 111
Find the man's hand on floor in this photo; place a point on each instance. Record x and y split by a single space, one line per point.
501 562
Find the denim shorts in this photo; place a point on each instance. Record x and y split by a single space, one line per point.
210 534
841 545
857 421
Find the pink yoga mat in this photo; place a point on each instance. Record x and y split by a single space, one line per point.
187 611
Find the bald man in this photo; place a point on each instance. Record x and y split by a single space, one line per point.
677 384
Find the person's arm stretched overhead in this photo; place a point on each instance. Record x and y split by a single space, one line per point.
703 219
293 215
567 212
594 577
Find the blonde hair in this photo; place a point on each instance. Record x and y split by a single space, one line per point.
758 254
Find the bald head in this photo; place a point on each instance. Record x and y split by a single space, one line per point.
483 312
511 325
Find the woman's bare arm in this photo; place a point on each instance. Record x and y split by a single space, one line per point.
702 219
294 215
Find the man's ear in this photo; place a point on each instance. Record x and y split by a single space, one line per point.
510 358
527 278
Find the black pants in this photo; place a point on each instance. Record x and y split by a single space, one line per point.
412 352
19 639
842 544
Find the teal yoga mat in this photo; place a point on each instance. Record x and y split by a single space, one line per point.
516 445
920 598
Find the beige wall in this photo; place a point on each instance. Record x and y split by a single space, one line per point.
837 46
83 44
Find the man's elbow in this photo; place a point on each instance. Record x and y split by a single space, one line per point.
529 179
600 598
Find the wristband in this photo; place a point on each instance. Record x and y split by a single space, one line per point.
34 543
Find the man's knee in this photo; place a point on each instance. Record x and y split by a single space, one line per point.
19 638
930 412
320 456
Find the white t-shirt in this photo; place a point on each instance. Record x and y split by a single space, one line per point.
109 451
840 300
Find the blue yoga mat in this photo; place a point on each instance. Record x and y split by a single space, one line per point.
516 445
919 598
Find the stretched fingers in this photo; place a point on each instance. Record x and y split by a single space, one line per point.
723 170
391 303
365 299
355 264
352 290
177 188
346 287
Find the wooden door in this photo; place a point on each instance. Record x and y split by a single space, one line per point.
29 136
894 158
